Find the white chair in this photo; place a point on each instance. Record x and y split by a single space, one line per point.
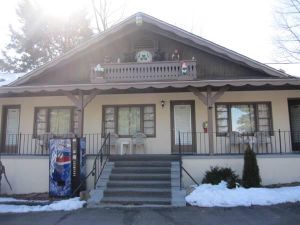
138 141
262 138
235 140
114 143
43 141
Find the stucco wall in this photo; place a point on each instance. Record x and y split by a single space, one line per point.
274 169
29 174
162 142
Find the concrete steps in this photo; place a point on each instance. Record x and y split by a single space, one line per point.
139 184
117 201
138 192
140 180
142 170
140 176
142 164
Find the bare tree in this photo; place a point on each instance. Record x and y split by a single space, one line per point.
106 13
288 40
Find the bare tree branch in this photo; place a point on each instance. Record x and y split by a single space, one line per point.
106 14
288 20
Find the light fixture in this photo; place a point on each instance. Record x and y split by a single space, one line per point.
162 103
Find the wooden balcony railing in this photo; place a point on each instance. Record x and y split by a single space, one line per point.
154 71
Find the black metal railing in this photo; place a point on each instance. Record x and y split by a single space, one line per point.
38 145
234 143
181 165
101 159
274 142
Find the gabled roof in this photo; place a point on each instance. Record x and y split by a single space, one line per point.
201 42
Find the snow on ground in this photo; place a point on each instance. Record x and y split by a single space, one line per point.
8 199
6 78
66 205
11 200
207 195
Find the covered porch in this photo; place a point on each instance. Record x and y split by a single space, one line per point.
201 113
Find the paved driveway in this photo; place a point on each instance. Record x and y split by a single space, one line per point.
287 214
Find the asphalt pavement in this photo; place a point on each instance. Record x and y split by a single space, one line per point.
287 214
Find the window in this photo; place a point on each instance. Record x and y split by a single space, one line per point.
55 120
243 117
128 120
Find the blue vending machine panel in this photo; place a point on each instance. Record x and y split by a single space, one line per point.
60 167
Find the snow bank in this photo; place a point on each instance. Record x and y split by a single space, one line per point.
12 200
207 195
66 205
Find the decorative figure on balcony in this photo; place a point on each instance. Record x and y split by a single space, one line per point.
176 55
99 69
143 56
184 68
2 172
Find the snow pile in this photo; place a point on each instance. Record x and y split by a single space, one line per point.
66 205
12 200
208 195
7 78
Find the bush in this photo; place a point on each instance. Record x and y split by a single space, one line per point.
217 174
251 177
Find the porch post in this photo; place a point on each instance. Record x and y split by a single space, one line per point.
80 114
209 100
210 121
80 103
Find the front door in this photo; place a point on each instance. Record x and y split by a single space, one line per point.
294 109
183 121
11 121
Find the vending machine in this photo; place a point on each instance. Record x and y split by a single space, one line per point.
67 167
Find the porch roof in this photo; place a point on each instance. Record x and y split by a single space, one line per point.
161 86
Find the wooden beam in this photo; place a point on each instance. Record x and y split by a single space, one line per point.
219 94
80 103
201 96
89 98
73 99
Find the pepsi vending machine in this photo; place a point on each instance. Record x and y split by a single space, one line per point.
67 166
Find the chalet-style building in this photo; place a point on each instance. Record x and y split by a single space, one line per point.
147 81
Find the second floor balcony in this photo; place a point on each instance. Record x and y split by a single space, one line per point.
152 71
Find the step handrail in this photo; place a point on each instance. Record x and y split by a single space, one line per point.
99 164
181 166
103 151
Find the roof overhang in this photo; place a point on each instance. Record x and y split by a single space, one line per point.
162 86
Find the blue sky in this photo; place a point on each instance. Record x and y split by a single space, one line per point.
247 27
